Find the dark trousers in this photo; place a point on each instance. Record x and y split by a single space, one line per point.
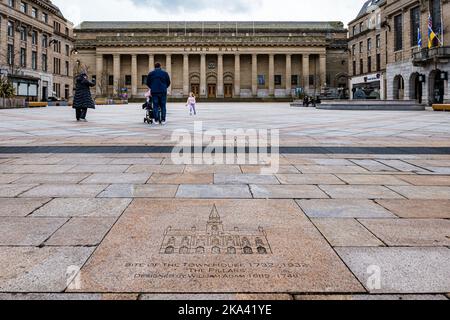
81 113
159 106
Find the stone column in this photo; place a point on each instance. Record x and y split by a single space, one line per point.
254 74
305 72
271 75
169 70
288 75
220 89
116 73
186 75
151 62
237 75
323 69
134 75
203 75
101 83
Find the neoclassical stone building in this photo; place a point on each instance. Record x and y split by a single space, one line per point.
215 59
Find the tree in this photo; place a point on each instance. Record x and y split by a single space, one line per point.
103 84
6 89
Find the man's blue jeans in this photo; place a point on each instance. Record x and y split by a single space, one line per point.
159 107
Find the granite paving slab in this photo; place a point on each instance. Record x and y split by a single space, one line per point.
48 269
4 168
426 270
365 179
9 177
65 191
139 191
99 168
219 246
67 296
312 179
410 232
231 179
117 178
360 192
287 192
285 169
423 192
331 169
181 178
370 297
214 191
439 209
20 207
81 232
83 207
337 208
148 168
346 233
53 178
14 190
19 231
230 169
422 180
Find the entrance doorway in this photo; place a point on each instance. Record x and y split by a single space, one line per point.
44 93
211 91
436 87
195 89
416 88
228 91
399 88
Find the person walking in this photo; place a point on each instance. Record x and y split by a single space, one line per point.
191 103
82 101
158 81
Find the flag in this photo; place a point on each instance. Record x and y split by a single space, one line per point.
431 34
419 38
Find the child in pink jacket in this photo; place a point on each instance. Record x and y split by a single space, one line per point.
191 102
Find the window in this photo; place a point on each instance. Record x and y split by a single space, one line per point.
361 66
111 80
66 92
44 63
294 80
67 68
34 12
398 32
436 16
23 57
277 79
23 7
128 80
67 50
361 47
34 60
144 80
57 46
56 26
354 30
311 80
415 26
10 29
361 27
56 66
261 80
44 41
23 34
378 41
369 64
44 17
369 45
378 62
67 31
34 38
354 67
57 89
10 54
11 3
354 49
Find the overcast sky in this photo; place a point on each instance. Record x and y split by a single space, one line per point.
207 10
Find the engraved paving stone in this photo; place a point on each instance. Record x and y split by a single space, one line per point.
218 246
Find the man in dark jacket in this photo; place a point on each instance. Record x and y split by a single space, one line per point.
158 82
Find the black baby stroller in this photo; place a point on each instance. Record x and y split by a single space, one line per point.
148 107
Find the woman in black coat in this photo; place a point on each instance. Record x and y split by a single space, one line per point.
83 99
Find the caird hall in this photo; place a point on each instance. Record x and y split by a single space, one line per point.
215 60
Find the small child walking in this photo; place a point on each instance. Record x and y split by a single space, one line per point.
191 102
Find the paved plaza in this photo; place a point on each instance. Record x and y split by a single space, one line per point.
358 208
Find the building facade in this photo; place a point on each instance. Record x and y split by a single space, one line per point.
391 37
414 71
215 59
36 44
367 50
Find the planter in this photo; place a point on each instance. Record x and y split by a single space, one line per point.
441 107
37 104
12 103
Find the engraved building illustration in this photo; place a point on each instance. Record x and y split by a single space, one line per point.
215 240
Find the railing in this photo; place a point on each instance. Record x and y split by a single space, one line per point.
426 54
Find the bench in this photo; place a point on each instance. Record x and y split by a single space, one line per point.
37 104
441 107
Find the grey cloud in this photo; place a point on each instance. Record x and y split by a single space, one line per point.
175 6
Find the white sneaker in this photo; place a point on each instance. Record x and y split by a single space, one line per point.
163 123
